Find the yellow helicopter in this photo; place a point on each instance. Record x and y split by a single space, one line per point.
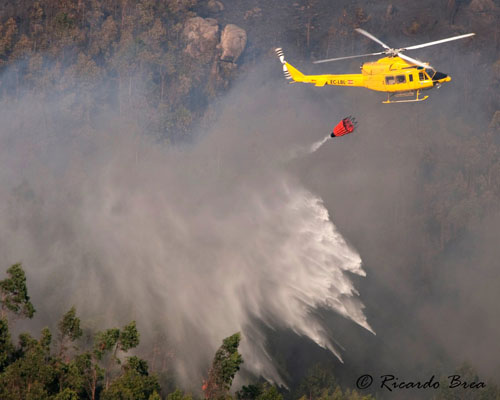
397 74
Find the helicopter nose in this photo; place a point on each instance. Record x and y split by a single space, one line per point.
446 78
440 77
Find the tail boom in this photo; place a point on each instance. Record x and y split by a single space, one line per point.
294 74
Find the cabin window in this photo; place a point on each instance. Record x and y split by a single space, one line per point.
421 76
400 79
410 77
389 80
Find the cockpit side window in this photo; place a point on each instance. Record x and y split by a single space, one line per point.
421 76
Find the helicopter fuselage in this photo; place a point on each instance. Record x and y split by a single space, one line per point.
393 74
388 74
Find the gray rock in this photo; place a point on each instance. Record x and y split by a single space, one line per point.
201 35
233 42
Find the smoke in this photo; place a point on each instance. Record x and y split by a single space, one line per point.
197 241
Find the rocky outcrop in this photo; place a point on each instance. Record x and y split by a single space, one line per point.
201 35
202 40
233 42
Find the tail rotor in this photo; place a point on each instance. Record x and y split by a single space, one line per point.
281 56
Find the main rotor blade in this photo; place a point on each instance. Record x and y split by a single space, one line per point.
345 58
413 61
369 35
418 46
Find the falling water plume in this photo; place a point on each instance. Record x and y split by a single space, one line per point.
199 241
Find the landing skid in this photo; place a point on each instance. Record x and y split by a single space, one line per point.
401 94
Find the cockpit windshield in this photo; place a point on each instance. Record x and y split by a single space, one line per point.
431 72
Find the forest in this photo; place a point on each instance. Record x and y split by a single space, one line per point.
129 58
71 365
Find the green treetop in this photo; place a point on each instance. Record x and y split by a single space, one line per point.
14 293
226 363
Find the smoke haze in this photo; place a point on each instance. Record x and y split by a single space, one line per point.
198 239
202 239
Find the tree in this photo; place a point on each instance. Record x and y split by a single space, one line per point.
8 35
316 382
69 330
6 347
14 293
85 373
66 394
135 383
179 395
226 363
33 374
115 340
154 396
250 392
30 372
269 393
129 337
75 375
259 392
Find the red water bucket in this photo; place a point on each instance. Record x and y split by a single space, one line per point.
343 127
